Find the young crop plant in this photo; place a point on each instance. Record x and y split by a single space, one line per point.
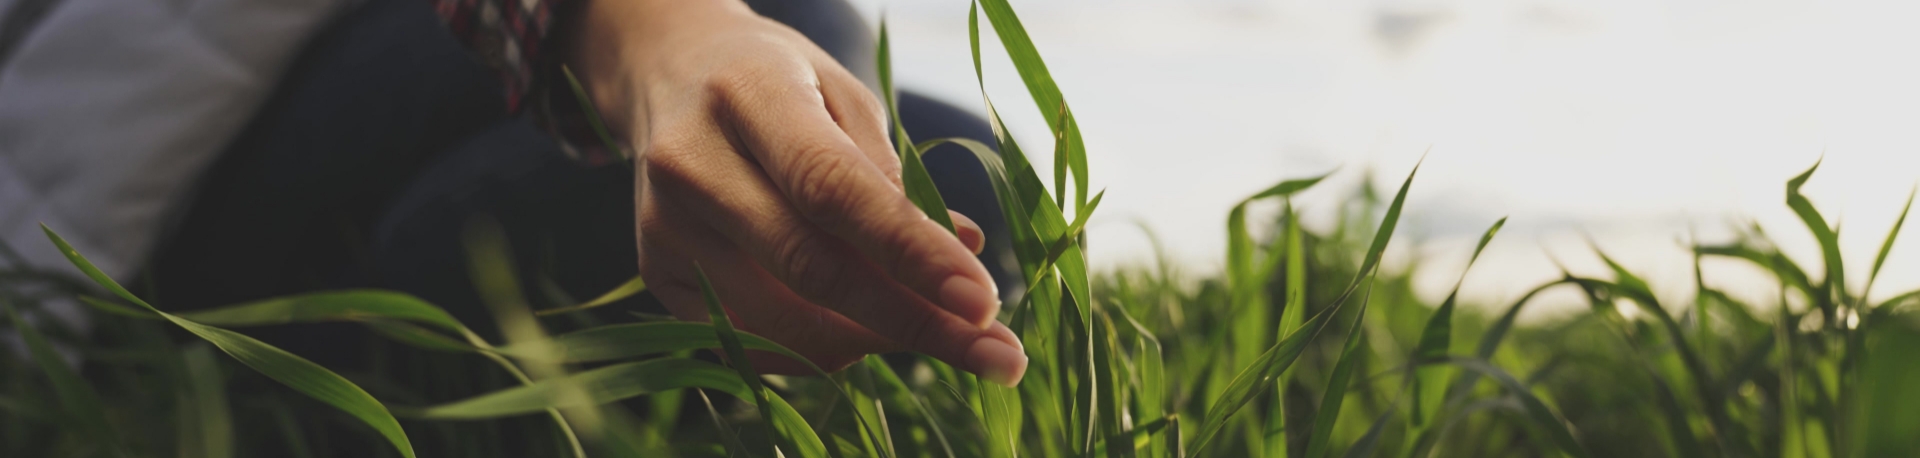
1303 346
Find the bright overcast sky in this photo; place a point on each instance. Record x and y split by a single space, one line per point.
1627 120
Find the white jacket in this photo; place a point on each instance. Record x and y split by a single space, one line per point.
109 110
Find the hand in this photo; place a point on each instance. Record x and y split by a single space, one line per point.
768 164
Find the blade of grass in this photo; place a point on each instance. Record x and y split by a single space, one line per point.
1834 285
593 115
1559 430
78 399
1336 390
1887 246
601 385
491 269
885 375
1046 94
628 340
913 173
625 290
1437 336
1258 378
727 435
295 372
208 430
798 438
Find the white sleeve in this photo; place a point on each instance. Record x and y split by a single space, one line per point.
110 109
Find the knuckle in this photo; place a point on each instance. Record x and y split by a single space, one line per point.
810 270
666 157
822 185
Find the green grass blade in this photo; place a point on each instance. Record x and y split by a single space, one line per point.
1437 336
735 448
1106 389
420 337
1370 442
1889 425
1675 417
1788 272
114 308
789 430
77 397
1557 428
631 287
1046 94
1042 213
1834 284
737 356
1336 391
207 429
1262 374
913 173
295 372
885 375
792 428
348 305
1258 378
1887 246
1001 416
593 115
1150 395
629 340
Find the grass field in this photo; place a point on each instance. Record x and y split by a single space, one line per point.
1302 347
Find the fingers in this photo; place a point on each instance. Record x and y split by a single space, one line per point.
968 232
827 177
722 192
754 300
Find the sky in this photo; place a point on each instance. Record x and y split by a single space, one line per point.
1630 123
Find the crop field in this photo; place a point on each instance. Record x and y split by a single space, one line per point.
1302 346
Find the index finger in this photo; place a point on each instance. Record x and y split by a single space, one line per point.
827 178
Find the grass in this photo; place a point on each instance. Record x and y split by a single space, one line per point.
1302 346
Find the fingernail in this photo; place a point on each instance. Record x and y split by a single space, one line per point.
967 298
996 361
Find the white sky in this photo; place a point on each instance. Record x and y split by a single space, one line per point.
1630 120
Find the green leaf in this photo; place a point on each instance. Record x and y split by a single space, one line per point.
601 385
1370 441
1336 391
900 392
1887 246
77 397
628 340
1835 284
913 173
1259 377
1437 336
1046 94
798 438
593 115
206 426
347 305
1034 209
1542 416
295 372
631 287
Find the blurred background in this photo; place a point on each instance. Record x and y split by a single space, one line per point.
1633 122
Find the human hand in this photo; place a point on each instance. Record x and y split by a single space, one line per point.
767 163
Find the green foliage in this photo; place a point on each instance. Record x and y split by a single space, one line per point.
1135 362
